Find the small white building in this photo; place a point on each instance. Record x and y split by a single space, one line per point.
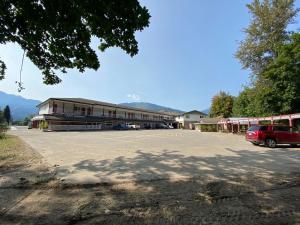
187 120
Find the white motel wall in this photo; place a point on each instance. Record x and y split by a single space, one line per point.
187 120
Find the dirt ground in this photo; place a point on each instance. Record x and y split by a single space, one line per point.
31 193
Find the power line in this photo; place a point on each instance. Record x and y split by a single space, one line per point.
20 83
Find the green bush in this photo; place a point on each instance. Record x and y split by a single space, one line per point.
209 127
3 130
43 125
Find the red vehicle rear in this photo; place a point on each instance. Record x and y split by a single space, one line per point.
271 135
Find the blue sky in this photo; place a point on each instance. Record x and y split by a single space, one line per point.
185 57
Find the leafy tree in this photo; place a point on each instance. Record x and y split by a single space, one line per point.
17 122
281 79
252 102
271 53
222 104
278 89
6 114
56 35
26 120
242 106
265 33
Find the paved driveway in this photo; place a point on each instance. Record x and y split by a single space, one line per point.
154 154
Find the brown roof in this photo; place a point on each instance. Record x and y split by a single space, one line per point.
195 112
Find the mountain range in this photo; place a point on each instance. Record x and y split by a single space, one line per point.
21 107
206 111
151 106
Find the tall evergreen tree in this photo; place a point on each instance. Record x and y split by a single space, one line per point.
7 115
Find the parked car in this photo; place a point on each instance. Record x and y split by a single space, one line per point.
271 135
147 127
162 126
121 127
134 126
170 127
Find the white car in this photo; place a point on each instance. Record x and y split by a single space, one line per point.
133 126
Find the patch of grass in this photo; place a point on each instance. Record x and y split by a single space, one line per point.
11 151
15 153
8 142
8 146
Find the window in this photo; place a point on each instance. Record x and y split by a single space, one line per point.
89 111
281 128
131 115
187 116
263 128
257 128
54 108
83 111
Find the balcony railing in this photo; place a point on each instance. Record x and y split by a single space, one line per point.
102 117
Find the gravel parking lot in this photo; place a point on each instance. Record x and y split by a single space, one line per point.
148 177
117 156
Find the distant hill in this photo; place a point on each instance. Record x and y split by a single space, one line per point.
206 111
150 106
20 107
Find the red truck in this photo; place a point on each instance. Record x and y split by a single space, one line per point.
271 135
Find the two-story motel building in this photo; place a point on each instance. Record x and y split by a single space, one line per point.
82 114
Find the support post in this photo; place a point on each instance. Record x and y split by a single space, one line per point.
272 121
290 121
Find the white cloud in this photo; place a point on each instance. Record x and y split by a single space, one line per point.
134 97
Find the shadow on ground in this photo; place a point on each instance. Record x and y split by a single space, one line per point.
247 188
172 164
